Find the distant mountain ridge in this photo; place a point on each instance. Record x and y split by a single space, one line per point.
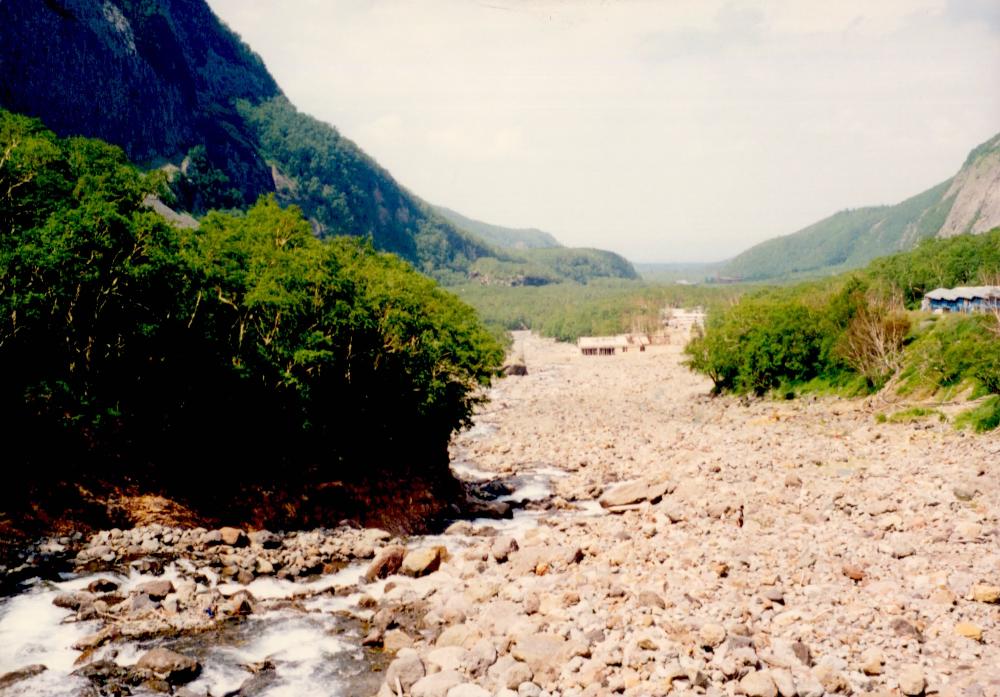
498 236
969 202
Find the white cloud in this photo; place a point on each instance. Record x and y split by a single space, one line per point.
665 130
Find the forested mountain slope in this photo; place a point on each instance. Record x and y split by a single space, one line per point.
499 236
969 202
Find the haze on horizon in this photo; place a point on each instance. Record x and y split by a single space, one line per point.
680 131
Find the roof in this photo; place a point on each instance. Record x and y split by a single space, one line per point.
586 342
964 293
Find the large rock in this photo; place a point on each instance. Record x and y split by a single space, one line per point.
156 590
542 652
420 562
758 683
168 665
912 681
515 368
436 685
234 537
21 674
386 563
406 669
635 492
468 689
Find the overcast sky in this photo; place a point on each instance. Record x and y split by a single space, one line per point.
666 131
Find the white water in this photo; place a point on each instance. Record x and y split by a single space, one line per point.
307 646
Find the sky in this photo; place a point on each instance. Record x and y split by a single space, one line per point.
678 130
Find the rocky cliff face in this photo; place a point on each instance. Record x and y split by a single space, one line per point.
969 202
975 192
156 77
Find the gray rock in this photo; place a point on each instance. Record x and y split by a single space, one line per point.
21 674
386 563
758 683
168 665
420 562
912 681
436 685
156 590
635 492
407 669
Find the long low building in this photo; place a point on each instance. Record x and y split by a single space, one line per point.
962 299
611 345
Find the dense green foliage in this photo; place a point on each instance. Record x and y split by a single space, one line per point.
852 238
846 240
343 190
276 353
942 263
497 235
852 331
567 311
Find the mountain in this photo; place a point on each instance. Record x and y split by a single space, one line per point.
176 88
969 202
531 257
504 237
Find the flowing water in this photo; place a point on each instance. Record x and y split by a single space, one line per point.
314 643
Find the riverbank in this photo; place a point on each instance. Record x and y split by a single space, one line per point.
663 542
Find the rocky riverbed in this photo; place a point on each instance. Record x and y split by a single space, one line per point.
662 542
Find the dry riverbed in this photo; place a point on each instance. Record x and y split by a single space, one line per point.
664 542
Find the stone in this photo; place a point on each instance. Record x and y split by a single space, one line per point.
911 680
516 368
453 658
420 562
853 572
406 669
234 537
969 631
502 548
542 652
902 549
758 683
831 679
156 590
635 492
651 599
785 683
396 639
983 593
468 689
386 563
102 585
168 665
21 674
265 539
793 480
711 635
964 492
436 684
872 661
72 600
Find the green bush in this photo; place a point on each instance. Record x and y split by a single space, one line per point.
246 350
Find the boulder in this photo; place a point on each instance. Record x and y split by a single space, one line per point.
436 685
758 683
156 590
386 563
635 492
21 674
912 681
168 665
234 537
516 368
420 562
406 669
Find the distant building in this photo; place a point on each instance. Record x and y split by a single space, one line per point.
963 299
612 345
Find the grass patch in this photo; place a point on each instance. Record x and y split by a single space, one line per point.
982 418
910 415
